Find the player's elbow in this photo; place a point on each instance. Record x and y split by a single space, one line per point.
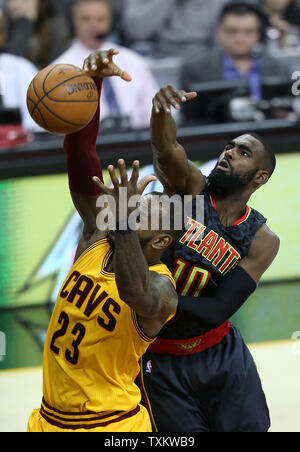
132 297
142 303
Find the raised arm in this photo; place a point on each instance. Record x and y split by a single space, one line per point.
151 295
177 174
82 159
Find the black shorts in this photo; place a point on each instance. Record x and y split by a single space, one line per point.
217 390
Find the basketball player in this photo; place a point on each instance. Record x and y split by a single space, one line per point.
114 301
203 377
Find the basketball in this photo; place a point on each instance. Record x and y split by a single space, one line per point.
62 99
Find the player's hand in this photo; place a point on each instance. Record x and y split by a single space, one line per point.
100 64
168 97
133 188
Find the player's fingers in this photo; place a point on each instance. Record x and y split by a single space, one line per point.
180 95
173 96
156 105
100 184
191 95
123 172
144 182
86 65
135 173
161 98
113 177
111 52
95 61
123 74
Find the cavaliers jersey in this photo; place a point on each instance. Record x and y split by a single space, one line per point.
93 346
204 255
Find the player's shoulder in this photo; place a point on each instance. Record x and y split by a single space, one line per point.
162 275
257 216
99 249
266 240
266 233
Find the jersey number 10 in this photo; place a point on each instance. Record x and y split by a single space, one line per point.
195 281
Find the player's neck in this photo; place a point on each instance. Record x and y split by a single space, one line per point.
232 207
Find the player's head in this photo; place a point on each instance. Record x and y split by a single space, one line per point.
241 27
92 20
160 223
245 165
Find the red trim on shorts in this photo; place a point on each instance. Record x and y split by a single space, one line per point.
191 345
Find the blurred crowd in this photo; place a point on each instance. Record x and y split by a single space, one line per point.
180 42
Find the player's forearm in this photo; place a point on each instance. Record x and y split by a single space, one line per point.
131 271
169 158
211 312
82 160
163 134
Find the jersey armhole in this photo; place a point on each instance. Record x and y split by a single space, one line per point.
97 243
141 333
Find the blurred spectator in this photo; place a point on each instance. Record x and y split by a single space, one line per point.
241 29
92 21
35 31
284 18
16 75
63 8
170 28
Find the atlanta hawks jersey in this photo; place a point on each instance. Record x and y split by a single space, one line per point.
205 254
93 346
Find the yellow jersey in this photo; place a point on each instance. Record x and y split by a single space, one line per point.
92 348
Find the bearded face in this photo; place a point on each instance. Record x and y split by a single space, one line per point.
224 180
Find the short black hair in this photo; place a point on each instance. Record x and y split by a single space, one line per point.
269 154
243 8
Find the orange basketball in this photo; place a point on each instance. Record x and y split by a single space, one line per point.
62 98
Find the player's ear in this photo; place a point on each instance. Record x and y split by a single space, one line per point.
262 177
162 241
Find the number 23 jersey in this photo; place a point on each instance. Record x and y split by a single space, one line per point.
93 342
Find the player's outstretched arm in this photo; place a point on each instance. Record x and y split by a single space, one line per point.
82 160
177 174
151 295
